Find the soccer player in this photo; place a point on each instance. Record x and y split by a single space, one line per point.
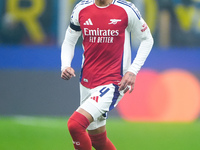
107 72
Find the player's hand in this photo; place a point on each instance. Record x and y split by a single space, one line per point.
68 73
127 82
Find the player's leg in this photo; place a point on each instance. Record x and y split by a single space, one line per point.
79 121
77 125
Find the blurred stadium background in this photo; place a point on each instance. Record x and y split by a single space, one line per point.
167 88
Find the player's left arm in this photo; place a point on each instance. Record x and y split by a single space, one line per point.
140 29
142 32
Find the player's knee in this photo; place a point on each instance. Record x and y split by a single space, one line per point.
74 127
77 123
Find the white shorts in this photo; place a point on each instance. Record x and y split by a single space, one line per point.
98 102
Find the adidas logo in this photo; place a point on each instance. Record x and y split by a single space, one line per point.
88 22
95 98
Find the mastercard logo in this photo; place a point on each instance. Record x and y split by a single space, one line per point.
170 96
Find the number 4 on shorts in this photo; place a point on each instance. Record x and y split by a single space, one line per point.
103 91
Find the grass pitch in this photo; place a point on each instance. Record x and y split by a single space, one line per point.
50 133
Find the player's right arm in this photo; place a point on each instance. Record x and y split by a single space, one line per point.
67 53
73 32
